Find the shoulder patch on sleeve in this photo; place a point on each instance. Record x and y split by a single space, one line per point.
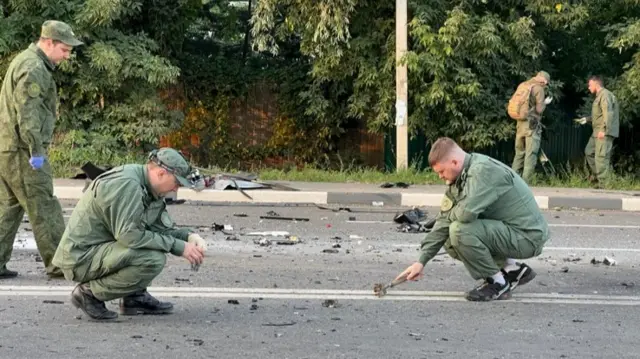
33 90
446 204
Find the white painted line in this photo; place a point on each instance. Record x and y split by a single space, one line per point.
574 249
565 225
211 292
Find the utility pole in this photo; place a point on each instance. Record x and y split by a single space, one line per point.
402 112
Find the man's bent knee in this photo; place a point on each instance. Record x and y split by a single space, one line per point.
150 262
462 233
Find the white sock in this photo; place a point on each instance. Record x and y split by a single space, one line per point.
510 265
498 278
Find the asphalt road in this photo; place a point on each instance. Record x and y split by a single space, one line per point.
573 309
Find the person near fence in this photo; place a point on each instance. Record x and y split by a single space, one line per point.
28 101
526 107
605 121
488 218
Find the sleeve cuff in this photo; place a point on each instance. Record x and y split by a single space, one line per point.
424 258
178 247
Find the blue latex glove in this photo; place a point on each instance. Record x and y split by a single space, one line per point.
36 162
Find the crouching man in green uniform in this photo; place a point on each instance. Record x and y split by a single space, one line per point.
488 219
117 238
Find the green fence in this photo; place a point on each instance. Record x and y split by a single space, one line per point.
562 143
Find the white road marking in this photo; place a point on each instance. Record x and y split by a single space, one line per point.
337 294
565 225
573 249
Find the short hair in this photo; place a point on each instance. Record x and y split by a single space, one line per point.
597 79
441 149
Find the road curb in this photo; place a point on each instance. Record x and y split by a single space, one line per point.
384 199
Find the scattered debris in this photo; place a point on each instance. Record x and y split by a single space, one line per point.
606 261
377 204
269 233
233 301
240 215
290 241
564 269
330 303
263 242
396 184
285 324
286 218
330 251
628 284
253 307
411 221
273 214
336 245
221 227
38 259
171 201
352 218
417 336
52 302
136 336
232 238
183 280
576 259
197 341
354 236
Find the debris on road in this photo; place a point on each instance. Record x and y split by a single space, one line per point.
232 238
330 303
416 336
290 241
240 215
411 221
628 284
564 269
263 242
297 219
253 307
221 227
606 261
52 302
396 184
330 251
269 233
233 301
285 324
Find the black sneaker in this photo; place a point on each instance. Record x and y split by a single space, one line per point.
490 290
142 302
520 276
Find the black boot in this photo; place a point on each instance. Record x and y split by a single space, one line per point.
82 298
142 302
7 274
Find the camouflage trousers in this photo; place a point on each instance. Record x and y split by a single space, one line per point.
484 245
24 189
115 271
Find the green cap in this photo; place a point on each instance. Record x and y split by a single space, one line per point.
174 162
58 30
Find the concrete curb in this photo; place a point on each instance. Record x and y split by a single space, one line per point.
371 199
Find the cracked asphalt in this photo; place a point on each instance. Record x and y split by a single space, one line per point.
573 309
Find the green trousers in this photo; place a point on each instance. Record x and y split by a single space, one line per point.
115 271
484 245
598 155
23 188
526 157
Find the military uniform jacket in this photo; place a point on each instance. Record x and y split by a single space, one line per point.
119 206
485 189
536 108
605 114
28 101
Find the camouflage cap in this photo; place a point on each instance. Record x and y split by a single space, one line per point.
174 162
58 30
544 75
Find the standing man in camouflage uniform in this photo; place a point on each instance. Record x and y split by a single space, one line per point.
488 218
118 234
28 101
605 121
529 131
